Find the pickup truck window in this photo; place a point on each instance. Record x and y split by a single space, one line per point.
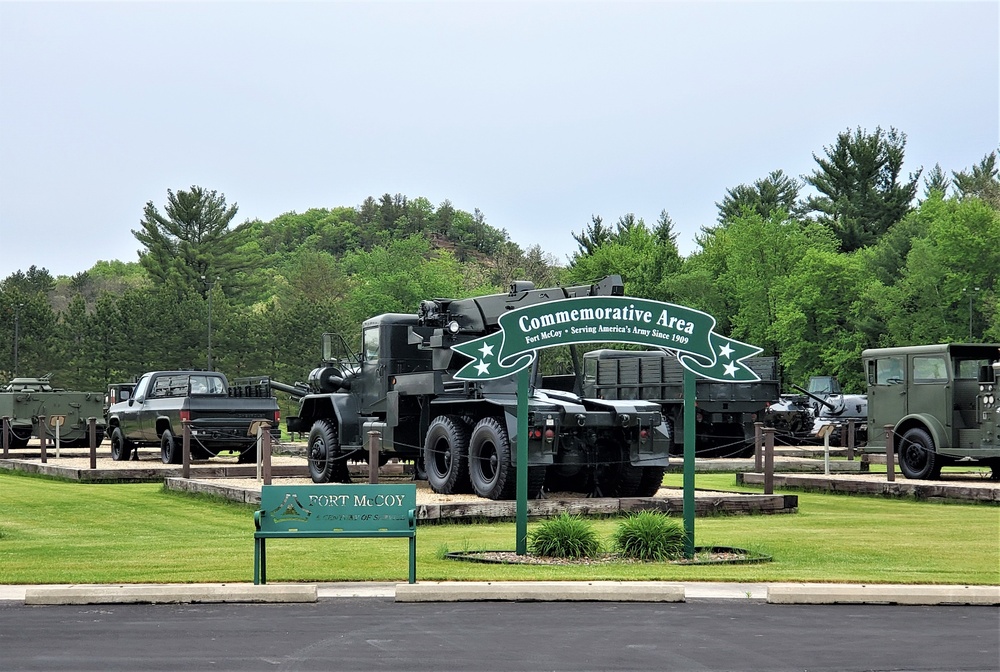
140 388
207 385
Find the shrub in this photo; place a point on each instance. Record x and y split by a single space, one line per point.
565 536
649 535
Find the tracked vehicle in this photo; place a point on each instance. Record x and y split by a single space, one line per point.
23 400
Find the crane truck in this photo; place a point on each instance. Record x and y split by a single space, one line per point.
462 434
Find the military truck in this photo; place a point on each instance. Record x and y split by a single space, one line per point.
941 401
23 400
726 411
220 416
462 434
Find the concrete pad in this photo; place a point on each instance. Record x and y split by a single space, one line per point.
817 593
540 591
169 593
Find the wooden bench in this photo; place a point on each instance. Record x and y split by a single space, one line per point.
336 512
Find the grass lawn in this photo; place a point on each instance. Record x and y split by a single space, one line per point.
64 532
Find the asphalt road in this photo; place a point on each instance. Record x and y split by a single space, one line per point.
379 634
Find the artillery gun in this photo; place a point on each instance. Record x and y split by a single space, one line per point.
462 434
23 400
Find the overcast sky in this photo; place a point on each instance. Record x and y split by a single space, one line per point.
540 114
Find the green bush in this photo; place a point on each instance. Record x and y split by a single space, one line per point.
649 535
565 536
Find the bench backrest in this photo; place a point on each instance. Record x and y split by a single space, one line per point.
337 509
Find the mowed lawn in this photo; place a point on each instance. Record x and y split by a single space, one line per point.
64 532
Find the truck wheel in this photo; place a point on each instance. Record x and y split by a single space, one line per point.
326 462
490 469
170 450
917 458
614 475
652 480
19 439
446 455
248 456
120 448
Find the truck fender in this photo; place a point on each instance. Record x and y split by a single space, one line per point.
162 423
335 406
937 431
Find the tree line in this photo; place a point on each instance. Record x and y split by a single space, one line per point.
870 258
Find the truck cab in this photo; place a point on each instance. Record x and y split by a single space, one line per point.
940 401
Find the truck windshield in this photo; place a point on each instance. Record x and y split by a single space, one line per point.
370 339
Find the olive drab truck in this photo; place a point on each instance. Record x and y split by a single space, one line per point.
726 411
941 402
462 434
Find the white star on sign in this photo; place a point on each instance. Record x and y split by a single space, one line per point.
725 351
484 368
731 370
487 350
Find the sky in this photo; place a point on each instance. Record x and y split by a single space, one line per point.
540 114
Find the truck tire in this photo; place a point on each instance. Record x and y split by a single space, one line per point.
248 456
19 439
326 462
170 449
615 476
446 455
490 470
121 448
917 458
651 481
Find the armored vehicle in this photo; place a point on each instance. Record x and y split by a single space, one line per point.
941 401
462 434
797 418
23 400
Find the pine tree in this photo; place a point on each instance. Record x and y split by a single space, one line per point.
193 243
861 194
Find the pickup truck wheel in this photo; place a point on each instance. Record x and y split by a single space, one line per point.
121 450
917 458
326 462
446 455
170 450
248 456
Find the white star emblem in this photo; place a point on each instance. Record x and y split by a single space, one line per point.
487 350
725 351
731 370
484 368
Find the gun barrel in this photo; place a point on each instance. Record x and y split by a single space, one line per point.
294 390
813 396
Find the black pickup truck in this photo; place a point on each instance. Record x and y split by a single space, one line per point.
220 415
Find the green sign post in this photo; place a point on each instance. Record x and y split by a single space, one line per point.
606 319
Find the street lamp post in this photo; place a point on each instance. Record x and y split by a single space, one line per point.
17 332
210 286
970 293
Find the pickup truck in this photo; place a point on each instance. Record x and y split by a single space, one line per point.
220 415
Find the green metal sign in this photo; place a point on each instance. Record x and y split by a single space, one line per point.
607 319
